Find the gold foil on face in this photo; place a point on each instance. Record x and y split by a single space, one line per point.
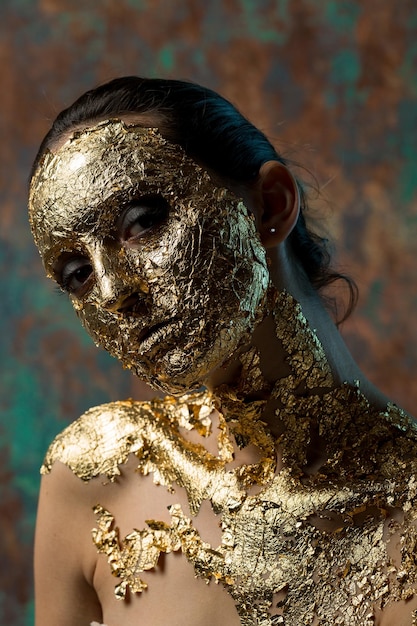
331 547
201 276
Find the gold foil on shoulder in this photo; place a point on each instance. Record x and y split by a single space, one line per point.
98 442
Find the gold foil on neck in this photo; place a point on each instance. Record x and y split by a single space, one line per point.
200 278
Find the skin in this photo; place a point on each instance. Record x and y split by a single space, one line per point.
73 586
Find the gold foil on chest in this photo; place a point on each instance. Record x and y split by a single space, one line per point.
299 548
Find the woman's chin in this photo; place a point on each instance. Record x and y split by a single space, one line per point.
179 372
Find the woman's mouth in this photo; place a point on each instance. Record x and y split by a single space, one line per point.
154 334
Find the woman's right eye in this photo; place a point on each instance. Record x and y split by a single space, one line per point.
141 216
75 275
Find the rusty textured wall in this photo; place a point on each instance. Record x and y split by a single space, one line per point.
333 82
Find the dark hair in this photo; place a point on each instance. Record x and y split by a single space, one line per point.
213 132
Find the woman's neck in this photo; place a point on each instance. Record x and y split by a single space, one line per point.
296 344
297 374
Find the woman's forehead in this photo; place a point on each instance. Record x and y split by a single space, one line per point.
97 162
106 145
110 154
82 182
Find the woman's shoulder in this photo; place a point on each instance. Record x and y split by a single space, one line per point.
101 440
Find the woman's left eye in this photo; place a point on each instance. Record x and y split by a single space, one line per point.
141 216
75 275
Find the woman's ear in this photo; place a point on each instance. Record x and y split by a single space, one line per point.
279 203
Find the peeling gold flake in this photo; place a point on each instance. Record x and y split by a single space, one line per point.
139 551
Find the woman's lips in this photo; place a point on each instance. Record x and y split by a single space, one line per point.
150 336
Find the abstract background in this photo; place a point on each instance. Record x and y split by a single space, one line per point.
333 83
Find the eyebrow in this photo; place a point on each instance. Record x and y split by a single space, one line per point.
57 250
81 226
87 219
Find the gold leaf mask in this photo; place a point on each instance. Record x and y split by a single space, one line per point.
165 268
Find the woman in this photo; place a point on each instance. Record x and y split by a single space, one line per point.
285 494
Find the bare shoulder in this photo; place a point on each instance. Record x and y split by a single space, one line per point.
93 461
105 475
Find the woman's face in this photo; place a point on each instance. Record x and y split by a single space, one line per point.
164 268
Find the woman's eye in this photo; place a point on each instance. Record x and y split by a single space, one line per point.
75 275
142 215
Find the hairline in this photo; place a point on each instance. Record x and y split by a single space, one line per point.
139 119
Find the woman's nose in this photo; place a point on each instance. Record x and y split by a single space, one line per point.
111 290
125 303
116 289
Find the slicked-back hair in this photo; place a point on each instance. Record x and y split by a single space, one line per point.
213 132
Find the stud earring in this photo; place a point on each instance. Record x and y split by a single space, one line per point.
272 231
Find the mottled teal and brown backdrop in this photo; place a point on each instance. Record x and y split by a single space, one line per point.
335 85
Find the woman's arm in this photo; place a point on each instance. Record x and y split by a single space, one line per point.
64 557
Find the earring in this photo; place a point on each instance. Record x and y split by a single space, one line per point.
272 231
